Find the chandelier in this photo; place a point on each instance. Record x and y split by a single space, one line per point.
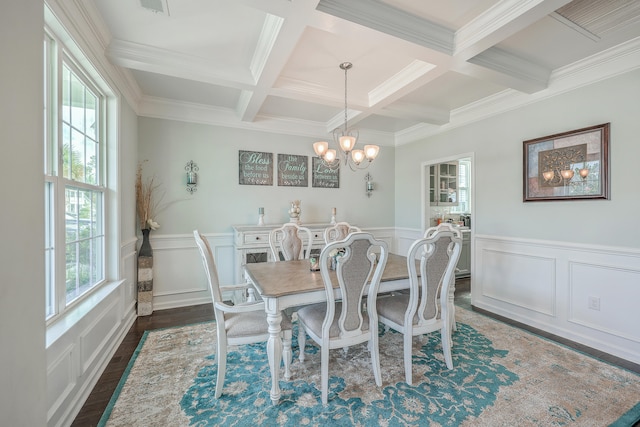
346 140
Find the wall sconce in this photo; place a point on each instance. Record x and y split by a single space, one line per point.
369 187
192 176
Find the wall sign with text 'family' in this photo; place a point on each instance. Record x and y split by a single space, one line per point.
255 168
293 170
324 177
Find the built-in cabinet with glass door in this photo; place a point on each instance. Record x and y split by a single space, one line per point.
443 180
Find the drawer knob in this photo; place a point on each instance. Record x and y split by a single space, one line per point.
258 238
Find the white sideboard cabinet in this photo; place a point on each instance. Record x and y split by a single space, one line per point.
252 243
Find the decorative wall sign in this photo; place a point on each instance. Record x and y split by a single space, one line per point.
255 168
567 166
323 176
293 170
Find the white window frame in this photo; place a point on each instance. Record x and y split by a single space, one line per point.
56 53
463 178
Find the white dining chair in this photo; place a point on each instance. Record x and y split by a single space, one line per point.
339 231
341 324
452 288
431 262
238 324
290 242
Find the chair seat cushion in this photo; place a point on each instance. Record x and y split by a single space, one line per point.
313 316
395 307
251 323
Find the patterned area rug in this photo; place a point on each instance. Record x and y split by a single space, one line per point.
502 376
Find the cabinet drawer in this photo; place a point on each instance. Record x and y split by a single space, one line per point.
259 239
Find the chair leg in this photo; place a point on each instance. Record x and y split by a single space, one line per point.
375 358
452 307
408 354
302 339
446 345
221 358
324 372
286 354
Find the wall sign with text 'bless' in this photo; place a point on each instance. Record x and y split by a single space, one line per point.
255 168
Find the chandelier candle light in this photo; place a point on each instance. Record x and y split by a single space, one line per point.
346 140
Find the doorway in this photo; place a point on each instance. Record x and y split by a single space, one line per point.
459 202
448 193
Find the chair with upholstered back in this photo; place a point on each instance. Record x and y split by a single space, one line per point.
340 324
339 231
290 242
244 323
452 288
431 262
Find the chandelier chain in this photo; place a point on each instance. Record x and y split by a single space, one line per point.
346 67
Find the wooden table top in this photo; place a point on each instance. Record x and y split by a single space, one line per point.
276 279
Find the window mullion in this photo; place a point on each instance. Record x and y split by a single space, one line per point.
60 245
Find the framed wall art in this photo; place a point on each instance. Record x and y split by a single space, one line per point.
323 176
255 168
572 165
293 170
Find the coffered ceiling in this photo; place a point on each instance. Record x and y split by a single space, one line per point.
419 66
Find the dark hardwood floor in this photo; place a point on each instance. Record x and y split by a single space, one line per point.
99 398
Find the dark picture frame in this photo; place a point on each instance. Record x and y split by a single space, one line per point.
571 165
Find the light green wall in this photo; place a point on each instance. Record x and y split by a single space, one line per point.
128 156
497 144
220 201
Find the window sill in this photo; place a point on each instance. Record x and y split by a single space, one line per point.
60 326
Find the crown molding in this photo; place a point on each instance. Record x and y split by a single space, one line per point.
151 59
90 35
533 76
161 108
615 61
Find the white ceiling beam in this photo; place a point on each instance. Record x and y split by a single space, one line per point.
278 41
390 20
161 61
499 22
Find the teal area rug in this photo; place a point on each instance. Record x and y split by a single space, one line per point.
502 376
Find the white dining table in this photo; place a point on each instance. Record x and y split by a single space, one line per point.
288 284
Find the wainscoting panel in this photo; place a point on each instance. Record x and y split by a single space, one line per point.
130 273
585 293
92 338
61 379
178 275
503 280
80 345
598 292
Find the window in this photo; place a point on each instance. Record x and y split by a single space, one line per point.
464 190
75 191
